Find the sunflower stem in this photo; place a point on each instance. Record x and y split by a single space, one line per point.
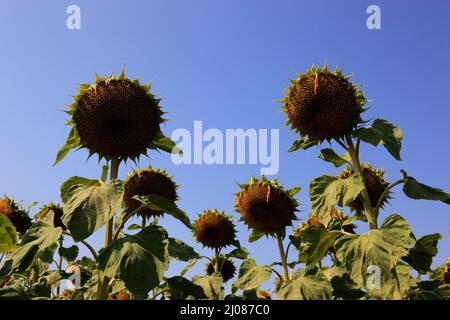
102 288
386 192
216 260
282 256
356 164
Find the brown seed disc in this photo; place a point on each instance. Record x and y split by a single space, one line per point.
226 266
18 218
214 230
57 217
146 183
117 119
375 189
265 209
323 106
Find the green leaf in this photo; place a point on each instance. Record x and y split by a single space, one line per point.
73 141
326 191
90 205
181 288
416 190
421 256
238 253
212 285
376 253
39 241
156 202
166 144
8 236
252 276
344 287
307 286
134 227
70 185
181 251
255 235
70 254
385 133
431 290
314 244
303 144
138 260
330 156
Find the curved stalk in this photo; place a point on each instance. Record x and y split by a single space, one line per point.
86 244
282 256
386 192
356 164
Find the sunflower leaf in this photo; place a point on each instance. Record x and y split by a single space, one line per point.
159 203
138 260
416 190
330 156
385 133
73 141
8 236
89 205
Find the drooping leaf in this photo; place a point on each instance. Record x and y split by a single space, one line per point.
181 251
385 133
344 287
431 290
416 190
330 156
255 235
371 258
70 254
73 141
8 236
326 191
238 253
252 276
314 244
212 285
156 202
303 144
179 288
421 256
166 144
70 185
138 260
40 241
90 204
306 286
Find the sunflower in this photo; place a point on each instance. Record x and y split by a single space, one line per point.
266 206
115 118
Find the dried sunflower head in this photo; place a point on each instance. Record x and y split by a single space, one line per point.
115 118
323 104
226 268
18 217
375 183
266 206
214 229
57 214
145 182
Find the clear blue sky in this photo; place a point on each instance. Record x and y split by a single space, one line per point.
225 62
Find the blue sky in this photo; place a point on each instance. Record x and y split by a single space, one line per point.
224 62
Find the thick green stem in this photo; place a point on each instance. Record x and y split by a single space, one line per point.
356 164
102 288
282 256
216 260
